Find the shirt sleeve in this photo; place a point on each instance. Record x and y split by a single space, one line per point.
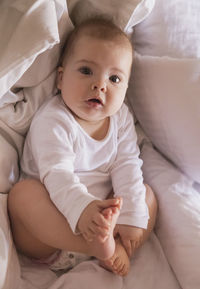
52 148
126 174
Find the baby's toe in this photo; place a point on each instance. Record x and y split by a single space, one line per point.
120 268
116 263
89 235
124 270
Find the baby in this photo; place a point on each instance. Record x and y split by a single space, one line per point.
83 189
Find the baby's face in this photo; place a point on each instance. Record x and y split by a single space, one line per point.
95 78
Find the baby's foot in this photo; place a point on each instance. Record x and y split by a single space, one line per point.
111 215
103 250
119 263
96 218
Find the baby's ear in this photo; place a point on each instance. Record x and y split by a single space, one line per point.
59 77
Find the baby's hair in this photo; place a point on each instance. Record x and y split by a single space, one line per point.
98 28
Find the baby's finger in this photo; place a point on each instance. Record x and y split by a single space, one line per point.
85 236
101 221
99 230
89 235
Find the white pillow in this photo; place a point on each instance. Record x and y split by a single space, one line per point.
164 87
172 29
165 98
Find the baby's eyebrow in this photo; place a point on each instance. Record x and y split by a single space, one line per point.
86 61
119 70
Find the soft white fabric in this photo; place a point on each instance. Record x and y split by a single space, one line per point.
82 169
29 100
126 14
172 29
19 50
19 104
27 28
164 93
149 269
141 12
164 88
38 81
10 149
178 226
8 166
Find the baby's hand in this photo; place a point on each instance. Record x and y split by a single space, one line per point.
92 223
131 237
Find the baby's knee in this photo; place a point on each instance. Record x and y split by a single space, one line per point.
21 194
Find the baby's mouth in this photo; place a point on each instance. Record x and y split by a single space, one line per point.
96 101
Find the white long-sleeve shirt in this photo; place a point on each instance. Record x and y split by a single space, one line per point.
77 169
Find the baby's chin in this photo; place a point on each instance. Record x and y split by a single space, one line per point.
93 117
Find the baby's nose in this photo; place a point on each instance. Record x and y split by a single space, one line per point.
101 86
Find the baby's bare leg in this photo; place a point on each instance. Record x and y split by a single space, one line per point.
39 229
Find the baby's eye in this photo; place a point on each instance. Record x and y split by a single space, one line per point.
85 70
114 78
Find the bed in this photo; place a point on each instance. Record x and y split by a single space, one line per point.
164 97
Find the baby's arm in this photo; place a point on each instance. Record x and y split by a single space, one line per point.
127 181
96 218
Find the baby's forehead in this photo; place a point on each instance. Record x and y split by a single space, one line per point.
100 33
113 49
118 43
